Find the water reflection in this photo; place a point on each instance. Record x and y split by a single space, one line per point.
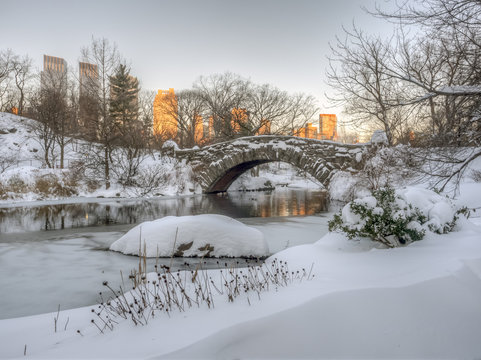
233 204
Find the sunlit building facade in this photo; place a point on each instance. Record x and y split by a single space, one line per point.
327 127
309 131
165 118
198 130
88 78
54 74
88 97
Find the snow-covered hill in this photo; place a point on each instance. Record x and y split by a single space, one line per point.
24 175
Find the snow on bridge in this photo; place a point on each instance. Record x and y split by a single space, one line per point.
215 167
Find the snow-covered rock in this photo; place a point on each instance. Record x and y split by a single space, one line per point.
188 236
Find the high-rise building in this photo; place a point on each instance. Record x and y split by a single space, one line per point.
54 74
88 98
198 130
307 131
327 127
88 78
165 114
54 63
210 128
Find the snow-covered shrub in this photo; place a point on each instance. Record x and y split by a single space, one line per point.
50 184
150 179
3 192
16 184
396 217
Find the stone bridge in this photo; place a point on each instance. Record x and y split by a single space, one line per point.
215 167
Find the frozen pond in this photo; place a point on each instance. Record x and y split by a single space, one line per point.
43 269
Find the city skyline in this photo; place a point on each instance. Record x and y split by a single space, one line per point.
169 45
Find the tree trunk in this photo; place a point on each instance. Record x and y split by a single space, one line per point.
107 168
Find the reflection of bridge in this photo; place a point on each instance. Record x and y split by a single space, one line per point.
217 166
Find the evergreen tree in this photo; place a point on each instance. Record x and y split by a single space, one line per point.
124 110
124 104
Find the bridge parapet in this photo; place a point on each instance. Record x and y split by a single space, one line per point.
217 166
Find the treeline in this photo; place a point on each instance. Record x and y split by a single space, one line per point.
231 106
105 105
422 85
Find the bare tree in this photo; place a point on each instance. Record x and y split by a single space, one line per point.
190 107
5 68
22 74
238 107
49 108
222 93
302 109
106 57
146 112
358 73
441 70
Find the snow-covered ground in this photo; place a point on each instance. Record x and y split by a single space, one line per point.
418 301
76 261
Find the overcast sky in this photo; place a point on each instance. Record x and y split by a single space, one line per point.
171 43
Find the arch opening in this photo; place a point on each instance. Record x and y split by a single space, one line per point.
283 174
223 182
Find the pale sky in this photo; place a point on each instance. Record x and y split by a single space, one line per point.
171 43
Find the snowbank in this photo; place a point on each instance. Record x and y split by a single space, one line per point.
420 301
188 236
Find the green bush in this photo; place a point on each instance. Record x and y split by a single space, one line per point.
385 217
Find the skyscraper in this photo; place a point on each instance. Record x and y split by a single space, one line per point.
54 74
88 77
165 114
88 98
327 127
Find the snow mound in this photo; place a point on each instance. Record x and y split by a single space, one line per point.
189 236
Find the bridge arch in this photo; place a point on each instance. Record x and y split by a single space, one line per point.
217 166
